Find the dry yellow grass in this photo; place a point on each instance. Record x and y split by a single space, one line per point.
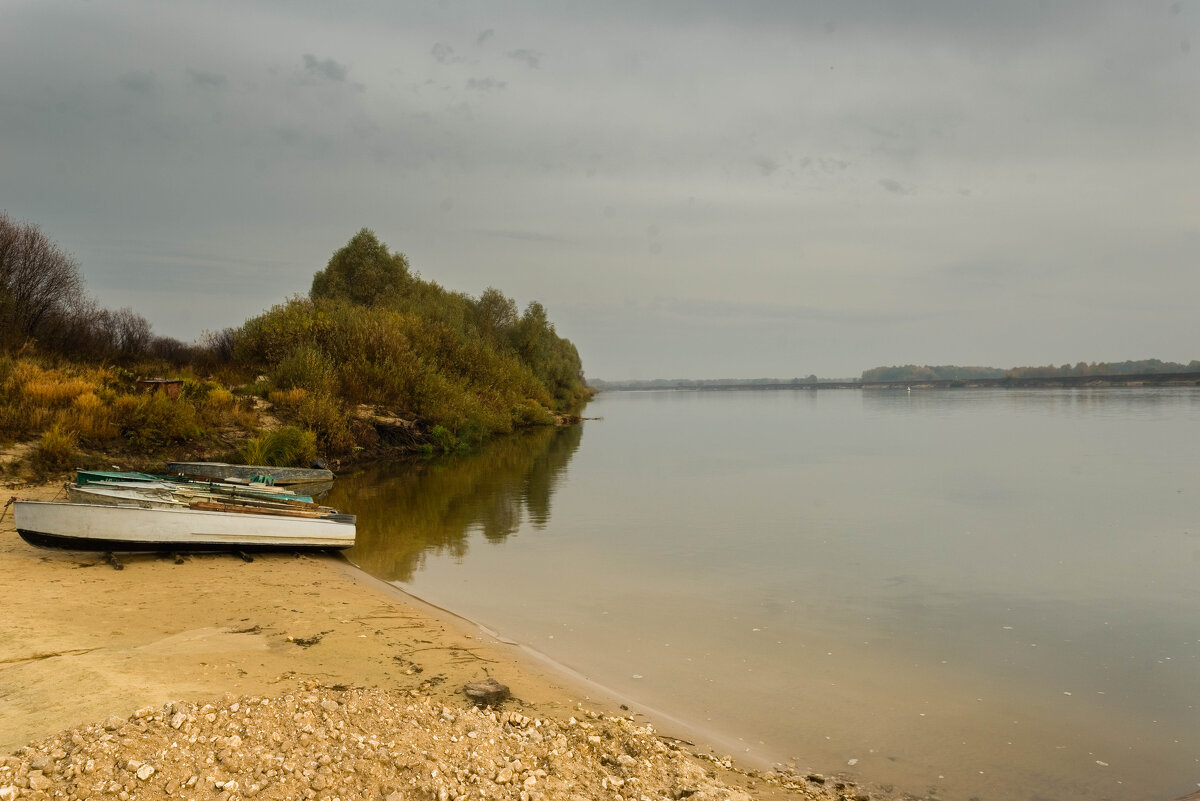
245 417
90 418
23 372
55 390
290 398
74 404
219 399
87 401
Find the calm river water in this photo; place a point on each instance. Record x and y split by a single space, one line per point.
968 593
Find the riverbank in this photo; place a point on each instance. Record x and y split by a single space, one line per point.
217 671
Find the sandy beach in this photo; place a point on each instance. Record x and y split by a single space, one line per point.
110 668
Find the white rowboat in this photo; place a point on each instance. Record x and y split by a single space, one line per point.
100 527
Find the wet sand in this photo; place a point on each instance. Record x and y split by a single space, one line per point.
82 642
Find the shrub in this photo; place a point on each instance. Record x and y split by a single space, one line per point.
287 447
328 420
529 413
216 407
154 420
56 449
219 398
198 391
307 366
444 440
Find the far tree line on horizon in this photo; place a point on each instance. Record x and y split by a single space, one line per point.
949 372
370 331
918 373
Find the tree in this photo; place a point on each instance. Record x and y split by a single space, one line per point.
553 359
496 314
40 284
221 344
363 272
131 333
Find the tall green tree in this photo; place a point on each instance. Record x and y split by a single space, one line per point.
496 315
363 272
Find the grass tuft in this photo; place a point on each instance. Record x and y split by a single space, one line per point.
286 447
289 398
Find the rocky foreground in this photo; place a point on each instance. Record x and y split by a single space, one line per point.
329 743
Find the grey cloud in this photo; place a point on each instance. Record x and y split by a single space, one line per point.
978 274
895 187
194 266
524 236
823 165
900 145
444 53
1013 20
766 164
325 68
530 58
485 84
139 81
289 135
733 310
982 23
208 80
484 36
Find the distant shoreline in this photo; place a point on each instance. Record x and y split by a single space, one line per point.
1039 382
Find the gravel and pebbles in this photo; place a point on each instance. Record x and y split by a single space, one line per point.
333 743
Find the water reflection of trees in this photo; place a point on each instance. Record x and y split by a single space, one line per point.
408 509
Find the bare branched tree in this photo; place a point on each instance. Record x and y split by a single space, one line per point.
40 283
133 333
172 350
221 344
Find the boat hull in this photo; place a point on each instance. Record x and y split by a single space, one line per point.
282 476
98 527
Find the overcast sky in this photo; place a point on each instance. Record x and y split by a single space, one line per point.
693 189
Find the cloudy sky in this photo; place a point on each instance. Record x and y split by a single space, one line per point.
693 189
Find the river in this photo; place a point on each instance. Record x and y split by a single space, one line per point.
971 594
